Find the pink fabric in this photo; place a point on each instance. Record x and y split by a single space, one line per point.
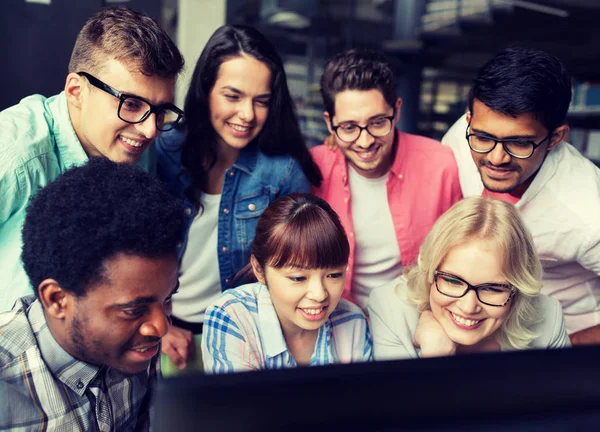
422 184
506 197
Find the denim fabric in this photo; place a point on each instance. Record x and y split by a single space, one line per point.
253 181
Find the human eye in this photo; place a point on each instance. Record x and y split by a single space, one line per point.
521 143
297 278
232 97
379 122
452 280
132 104
494 289
135 313
262 102
483 138
347 127
335 275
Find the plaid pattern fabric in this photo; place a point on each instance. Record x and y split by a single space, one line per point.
242 332
43 388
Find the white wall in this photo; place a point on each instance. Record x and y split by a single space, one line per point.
197 20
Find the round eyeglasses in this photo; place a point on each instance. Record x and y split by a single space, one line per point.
490 294
134 109
378 127
517 148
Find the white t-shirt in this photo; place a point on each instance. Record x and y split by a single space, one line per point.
200 281
377 258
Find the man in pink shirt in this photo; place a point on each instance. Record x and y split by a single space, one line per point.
515 132
388 187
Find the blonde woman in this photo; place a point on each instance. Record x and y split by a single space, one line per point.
476 288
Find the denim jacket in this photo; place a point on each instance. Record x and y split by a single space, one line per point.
253 181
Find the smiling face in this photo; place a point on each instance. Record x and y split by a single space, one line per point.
499 171
303 298
371 157
94 113
239 101
466 320
120 321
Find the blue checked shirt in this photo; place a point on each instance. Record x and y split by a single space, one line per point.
242 332
43 388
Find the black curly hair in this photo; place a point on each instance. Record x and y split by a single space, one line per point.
91 213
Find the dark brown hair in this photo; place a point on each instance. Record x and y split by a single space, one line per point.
298 230
357 69
130 37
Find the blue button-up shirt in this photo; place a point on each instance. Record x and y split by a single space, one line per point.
253 181
37 144
242 332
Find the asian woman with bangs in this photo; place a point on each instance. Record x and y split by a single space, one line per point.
476 288
293 313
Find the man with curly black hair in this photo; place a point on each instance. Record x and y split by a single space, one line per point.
99 245
117 98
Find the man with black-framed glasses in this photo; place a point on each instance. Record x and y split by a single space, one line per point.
387 186
117 98
515 133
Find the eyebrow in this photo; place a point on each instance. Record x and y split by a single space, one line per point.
144 300
238 91
368 120
484 283
479 131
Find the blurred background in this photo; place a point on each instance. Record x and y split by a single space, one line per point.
436 47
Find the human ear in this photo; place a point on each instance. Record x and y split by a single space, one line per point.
328 121
258 270
54 299
557 136
397 109
74 89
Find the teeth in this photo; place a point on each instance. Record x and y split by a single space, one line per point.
463 321
131 142
367 154
143 349
239 128
313 311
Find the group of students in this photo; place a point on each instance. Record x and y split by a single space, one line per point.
241 249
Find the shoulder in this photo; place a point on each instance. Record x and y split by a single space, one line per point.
16 334
576 182
168 147
242 298
277 170
346 311
386 300
427 148
324 157
551 325
26 130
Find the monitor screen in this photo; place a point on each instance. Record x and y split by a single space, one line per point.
554 390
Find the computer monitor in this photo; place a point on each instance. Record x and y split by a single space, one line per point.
555 390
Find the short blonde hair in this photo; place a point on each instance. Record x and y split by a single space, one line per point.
498 223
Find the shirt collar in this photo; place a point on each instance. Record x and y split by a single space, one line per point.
270 328
75 374
272 334
246 161
69 147
544 174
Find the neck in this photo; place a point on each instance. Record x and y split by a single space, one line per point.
75 122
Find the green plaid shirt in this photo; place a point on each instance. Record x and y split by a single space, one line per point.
42 387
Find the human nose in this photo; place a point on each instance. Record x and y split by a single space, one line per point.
469 303
498 155
148 127
159 323
365 139
246 112
317 291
